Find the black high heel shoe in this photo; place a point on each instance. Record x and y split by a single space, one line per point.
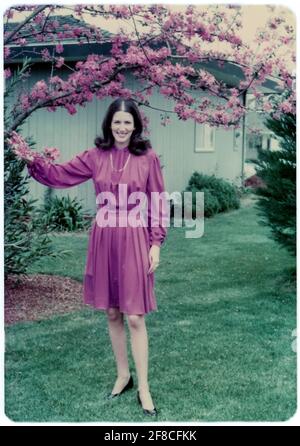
151 413
128 386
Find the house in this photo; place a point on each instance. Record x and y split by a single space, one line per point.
184 146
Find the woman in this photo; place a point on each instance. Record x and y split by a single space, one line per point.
121 260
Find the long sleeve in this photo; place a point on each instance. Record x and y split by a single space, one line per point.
60 176
157 209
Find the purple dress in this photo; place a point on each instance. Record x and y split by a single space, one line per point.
117 258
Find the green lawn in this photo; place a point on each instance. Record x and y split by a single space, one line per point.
220 344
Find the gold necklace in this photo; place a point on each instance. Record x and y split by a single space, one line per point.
123 168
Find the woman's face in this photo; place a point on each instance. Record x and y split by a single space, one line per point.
122 126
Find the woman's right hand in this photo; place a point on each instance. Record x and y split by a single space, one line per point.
28 161
28 158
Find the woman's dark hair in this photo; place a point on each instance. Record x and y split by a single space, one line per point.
137 145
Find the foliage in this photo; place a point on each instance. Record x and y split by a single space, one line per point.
219 195
25 240
62 214
277 200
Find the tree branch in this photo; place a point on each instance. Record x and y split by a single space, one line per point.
20 26
51 102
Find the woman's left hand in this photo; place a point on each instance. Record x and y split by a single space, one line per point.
153 258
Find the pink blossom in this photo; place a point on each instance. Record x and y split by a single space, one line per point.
25 102
45 55
61 36
286 107
41 85
22 150
40 37
59 48
59 62
52 108
257 94
88 95
52 153
39 91
166 90
55 24
39 18
70 108
234 92
7 73
77 32
78 9
235 40
285 40
289 82
6 51
233 102
267 106
184 81
20 146
206 79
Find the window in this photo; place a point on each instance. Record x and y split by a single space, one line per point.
265 140
254 141
204 138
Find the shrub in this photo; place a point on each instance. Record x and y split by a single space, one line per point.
219 195
277 200
62 214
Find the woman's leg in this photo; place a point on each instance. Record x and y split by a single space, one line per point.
139 345
118 339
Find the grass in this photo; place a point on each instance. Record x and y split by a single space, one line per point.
220 344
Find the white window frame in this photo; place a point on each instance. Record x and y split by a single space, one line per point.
205 138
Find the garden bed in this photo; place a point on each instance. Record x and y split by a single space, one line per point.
39 296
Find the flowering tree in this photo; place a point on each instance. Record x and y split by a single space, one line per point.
163 48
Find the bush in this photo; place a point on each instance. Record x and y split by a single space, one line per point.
225 193
277 200
219 196
62 214
25 238
211 203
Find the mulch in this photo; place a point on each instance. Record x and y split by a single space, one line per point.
39 296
